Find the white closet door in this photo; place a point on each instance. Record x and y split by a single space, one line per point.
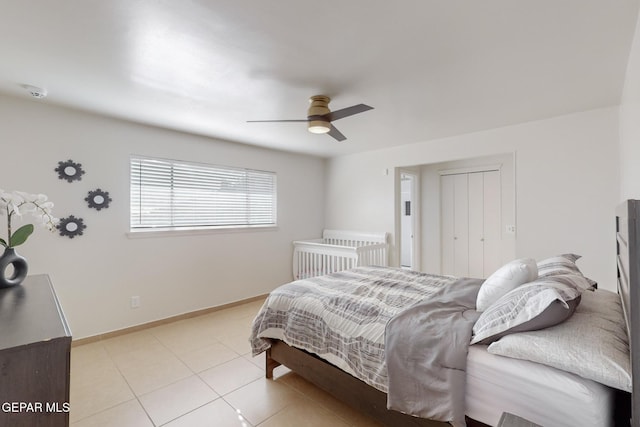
461 225
470 223
476 224
492 220
446 224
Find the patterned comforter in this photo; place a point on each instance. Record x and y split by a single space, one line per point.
342 317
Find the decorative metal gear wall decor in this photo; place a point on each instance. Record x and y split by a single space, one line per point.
70 171
71 226
98 199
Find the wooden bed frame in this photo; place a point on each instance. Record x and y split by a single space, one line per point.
373 402
628 261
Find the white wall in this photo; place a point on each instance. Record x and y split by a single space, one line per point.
630 125
566 177
96 274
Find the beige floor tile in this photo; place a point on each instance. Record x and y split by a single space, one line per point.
184 337
256 360
238 342
262 399
304 413
172 401
128 414
208 357
239 311
152 353
250 308
96 385
155 376
128 343
231 375
149 368
84 355
158 365
217 413
280 370
237 316
220 327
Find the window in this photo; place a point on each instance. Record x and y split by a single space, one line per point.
181 195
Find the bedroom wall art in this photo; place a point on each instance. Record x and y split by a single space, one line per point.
71 226
98 199
69 170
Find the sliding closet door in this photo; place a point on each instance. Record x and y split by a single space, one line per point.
492 209
461 225
454 205
447 224
470 223
476 224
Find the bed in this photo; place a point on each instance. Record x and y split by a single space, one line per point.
338 250
486 373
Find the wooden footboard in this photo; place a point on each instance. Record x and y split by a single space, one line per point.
344 387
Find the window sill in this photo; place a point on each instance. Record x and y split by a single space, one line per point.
175 232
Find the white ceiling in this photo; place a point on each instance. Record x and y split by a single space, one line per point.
431 68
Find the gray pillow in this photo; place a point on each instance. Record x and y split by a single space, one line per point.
593 343
536 305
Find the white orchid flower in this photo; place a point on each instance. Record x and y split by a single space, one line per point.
19 203
14 208
28 208
46 206
23 196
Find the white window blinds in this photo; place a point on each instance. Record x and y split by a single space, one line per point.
177 194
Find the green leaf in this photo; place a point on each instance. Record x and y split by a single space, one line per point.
2 242
20 235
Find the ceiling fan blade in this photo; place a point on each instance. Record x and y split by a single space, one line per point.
346 112
336 134
278 121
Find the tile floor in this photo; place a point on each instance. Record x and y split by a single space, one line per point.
191 373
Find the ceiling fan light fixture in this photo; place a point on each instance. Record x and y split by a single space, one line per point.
319 126
320 118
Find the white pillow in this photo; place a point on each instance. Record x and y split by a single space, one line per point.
593 343
505 279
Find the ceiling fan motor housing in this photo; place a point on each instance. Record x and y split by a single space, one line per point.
319 107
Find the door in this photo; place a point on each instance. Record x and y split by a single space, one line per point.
470 223
407 219
454 214
492 211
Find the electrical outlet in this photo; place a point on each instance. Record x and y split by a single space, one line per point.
135 302
511 229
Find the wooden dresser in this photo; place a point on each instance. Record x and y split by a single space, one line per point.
35 348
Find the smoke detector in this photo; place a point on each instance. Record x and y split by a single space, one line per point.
36 92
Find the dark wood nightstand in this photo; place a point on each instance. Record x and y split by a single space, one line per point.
35 346
510 420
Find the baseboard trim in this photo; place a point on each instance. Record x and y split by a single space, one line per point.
143 326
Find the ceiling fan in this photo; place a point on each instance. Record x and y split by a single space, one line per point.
319 117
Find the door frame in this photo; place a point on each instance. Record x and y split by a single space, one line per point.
416 201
